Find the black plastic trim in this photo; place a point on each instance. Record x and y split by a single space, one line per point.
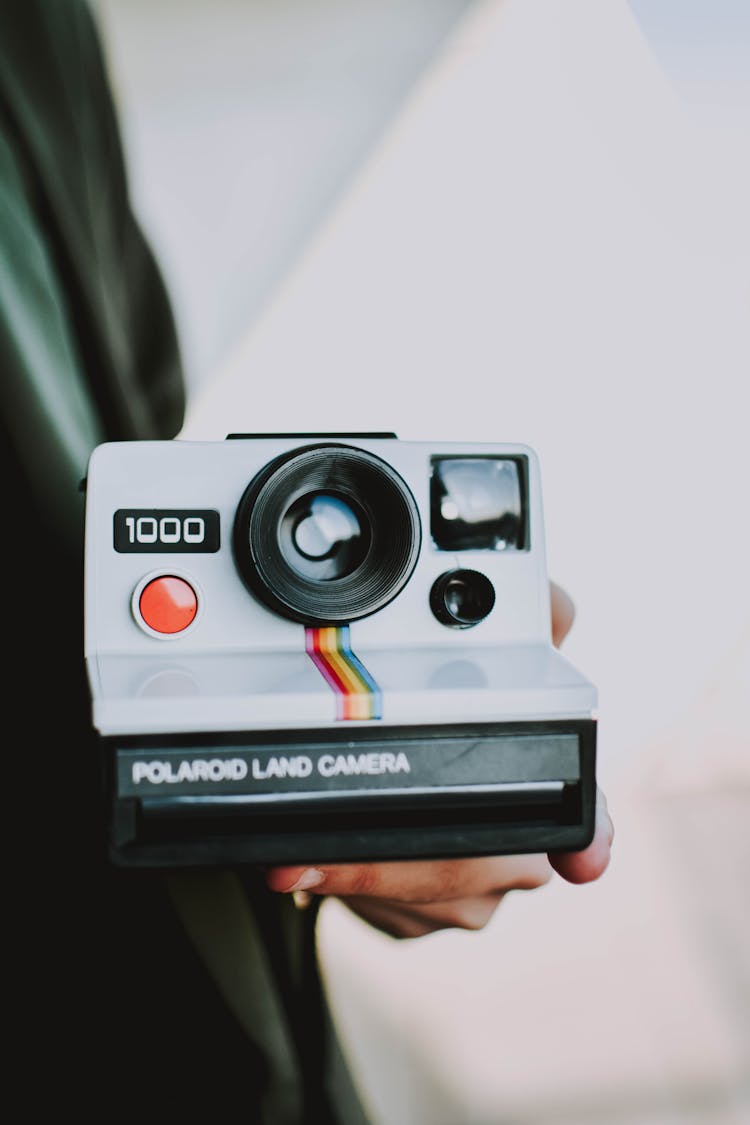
177 833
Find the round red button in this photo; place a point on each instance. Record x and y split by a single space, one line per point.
168 604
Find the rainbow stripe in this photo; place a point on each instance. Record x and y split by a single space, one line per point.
357 694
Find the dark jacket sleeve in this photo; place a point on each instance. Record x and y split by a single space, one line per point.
68 226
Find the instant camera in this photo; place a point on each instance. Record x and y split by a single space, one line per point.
329 648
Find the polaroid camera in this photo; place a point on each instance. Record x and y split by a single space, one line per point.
329 648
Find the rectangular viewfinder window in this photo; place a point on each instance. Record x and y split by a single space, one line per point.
478 504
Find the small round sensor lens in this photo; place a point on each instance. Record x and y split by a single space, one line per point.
462 598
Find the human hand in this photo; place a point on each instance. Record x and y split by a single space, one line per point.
410 898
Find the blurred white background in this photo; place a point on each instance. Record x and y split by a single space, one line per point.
510 220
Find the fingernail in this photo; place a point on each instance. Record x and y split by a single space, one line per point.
310 877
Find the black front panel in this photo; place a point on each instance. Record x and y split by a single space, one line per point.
390 793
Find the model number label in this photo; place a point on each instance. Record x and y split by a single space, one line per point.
176 530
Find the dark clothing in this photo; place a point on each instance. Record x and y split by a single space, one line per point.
193 995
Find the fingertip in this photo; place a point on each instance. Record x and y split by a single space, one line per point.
563 613
585 866
290 880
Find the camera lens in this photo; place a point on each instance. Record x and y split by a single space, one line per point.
326 534
323 537
462 598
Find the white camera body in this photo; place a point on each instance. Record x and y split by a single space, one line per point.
311 648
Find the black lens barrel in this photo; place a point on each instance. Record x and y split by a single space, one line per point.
358 577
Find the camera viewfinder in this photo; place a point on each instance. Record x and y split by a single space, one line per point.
478 503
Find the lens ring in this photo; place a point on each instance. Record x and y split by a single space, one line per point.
383 504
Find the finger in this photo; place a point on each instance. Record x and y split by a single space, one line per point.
563 613
405 920
587 865
420 881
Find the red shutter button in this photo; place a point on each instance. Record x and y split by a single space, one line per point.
168 604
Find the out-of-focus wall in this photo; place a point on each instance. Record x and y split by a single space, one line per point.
243 121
